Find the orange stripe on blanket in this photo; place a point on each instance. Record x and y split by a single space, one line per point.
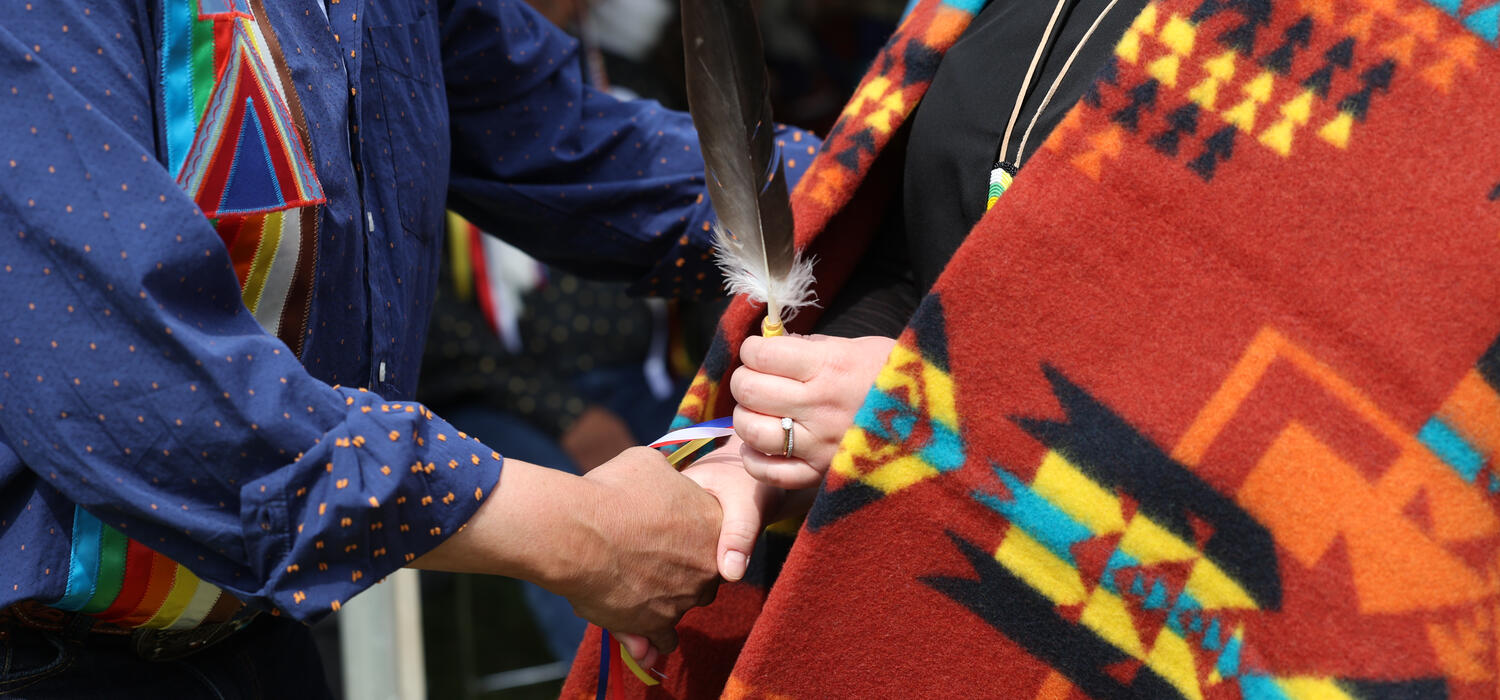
946 27
1055 687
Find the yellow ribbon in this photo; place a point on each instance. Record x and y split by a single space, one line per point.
635 668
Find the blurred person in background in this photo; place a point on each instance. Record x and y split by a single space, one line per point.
567 372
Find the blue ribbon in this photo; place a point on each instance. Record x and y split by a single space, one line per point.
83 569
605 644
177 80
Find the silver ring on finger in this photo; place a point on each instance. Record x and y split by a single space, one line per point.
786 427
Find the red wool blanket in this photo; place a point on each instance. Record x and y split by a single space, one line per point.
1205 407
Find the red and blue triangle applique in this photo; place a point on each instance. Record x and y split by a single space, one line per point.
252 182
247 157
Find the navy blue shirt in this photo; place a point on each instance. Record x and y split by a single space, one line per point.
135 384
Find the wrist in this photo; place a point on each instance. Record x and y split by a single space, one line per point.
538 525
572 552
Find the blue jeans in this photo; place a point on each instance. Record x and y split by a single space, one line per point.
271 658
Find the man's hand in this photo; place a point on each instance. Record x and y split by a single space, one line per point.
647 555
630 545
819 382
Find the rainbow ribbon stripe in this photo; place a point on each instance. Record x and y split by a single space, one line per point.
124 582
235 142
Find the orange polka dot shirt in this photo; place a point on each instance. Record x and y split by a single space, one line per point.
178 308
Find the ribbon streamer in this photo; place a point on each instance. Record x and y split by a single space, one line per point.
611 680
707 430
635 668
693 438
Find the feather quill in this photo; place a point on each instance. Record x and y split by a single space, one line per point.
730 101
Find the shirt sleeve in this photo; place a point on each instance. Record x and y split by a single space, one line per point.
605 188
133 380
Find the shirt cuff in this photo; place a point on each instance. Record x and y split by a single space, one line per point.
378 491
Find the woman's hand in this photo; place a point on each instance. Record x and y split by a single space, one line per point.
748 505
819 382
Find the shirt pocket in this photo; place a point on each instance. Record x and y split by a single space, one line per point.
411 114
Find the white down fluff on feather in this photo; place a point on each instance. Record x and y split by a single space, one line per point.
747 274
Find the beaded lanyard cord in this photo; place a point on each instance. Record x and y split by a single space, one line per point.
1003 172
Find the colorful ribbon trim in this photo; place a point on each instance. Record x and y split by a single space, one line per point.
112 552
711 430
635 668
228 105
133 589
177 81
605 643
205 597
83 569
694 437
691 439
125 582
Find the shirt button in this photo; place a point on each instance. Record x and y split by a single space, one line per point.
382 371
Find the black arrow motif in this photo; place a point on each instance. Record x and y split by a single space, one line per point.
1218 147
1377 78
1143 96
1109 74
1019 612
1108 449
1183 120
1280 60
1300 33
1207 9
1320 80
1257 13
1296 36
1339 56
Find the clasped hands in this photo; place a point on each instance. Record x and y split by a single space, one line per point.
655 546
819 382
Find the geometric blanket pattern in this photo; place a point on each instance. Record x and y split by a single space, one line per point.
1207 406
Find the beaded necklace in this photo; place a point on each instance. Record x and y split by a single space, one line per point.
1003 172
